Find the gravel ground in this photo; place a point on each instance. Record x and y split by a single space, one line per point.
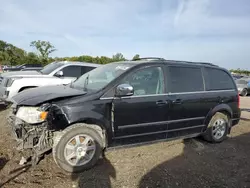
181 163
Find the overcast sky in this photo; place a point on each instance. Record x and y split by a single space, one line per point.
215 31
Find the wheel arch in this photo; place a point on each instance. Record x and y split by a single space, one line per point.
26 87
222 108
95 124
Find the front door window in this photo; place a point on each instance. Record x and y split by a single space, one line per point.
147 81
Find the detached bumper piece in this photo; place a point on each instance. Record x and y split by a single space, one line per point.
18 131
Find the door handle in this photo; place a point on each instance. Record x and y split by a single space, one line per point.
177 101
160 103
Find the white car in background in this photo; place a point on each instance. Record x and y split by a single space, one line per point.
55 73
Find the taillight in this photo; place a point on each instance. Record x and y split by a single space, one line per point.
238 100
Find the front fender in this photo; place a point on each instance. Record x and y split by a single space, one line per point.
60 117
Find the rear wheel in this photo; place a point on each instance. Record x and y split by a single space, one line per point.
77 149
217 128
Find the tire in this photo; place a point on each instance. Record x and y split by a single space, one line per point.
244 92
210 134
63 140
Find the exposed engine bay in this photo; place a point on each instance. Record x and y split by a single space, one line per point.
34 138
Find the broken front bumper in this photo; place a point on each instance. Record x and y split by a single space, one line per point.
32 140
36 137
19 132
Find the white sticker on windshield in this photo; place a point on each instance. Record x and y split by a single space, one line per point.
122 67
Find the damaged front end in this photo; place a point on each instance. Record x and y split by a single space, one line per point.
29 128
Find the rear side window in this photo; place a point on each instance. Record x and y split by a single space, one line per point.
185 79
72 71
216 79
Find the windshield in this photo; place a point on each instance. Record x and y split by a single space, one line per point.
50 67
100 77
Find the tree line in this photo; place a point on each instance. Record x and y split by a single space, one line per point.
12 55
240 71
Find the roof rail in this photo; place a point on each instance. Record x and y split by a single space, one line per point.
177 61
204 63
193 62
210 64
148 58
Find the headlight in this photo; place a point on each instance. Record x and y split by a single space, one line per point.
10 81
31 114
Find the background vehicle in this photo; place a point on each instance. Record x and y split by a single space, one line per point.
243 85
23 67
131 102
32 68
55 73
236 77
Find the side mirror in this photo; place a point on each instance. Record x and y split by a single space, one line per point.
59 74
123 90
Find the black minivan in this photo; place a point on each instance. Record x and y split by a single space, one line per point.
125 103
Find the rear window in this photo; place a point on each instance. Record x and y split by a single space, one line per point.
185 79
217 79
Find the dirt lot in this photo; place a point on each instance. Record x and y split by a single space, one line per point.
180 163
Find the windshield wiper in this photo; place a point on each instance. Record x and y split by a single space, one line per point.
86 82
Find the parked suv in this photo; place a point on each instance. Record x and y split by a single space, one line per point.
55 73
125 103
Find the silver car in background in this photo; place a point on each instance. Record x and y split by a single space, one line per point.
55 73
243 85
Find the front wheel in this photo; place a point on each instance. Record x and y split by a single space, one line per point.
217 129
77 149
244 92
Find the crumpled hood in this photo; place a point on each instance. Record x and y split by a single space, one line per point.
35 96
